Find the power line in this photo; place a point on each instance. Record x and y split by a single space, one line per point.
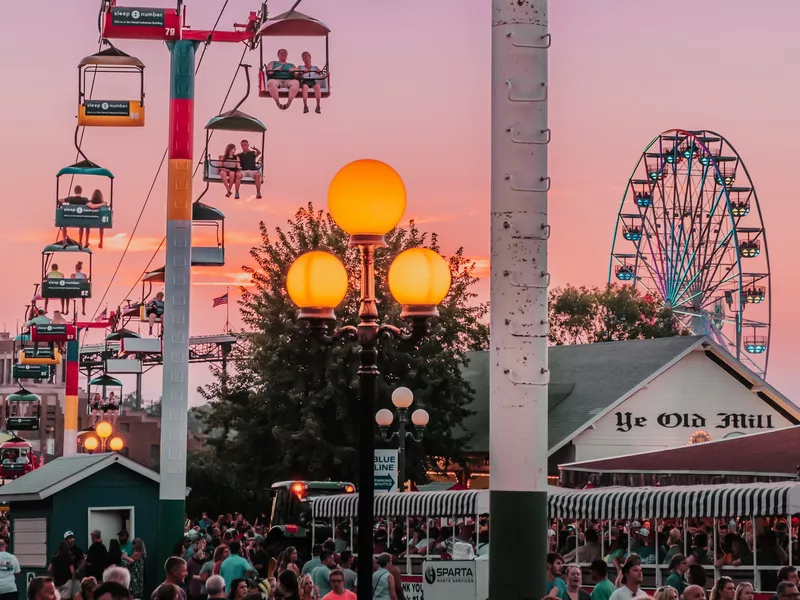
155 180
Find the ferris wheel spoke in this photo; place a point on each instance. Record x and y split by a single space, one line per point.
698 248
688 234
657 258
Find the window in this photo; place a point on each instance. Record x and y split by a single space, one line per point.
155 456
30 542
124 427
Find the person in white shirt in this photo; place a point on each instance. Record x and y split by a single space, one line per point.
632 580
9 568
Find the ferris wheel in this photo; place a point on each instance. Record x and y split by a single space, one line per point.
689 234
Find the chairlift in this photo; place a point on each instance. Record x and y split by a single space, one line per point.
74 210
238 121
110 113
23 411
54 283
104 402
293 24
207 217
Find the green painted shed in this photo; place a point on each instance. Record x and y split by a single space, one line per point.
103 491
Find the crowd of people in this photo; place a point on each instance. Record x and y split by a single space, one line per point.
688 552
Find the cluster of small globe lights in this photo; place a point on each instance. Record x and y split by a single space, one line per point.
103 431
367 199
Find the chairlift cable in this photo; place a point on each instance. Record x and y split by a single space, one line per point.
152 187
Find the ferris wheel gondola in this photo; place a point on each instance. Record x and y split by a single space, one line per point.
690 235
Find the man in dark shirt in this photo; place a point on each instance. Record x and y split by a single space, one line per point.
96 557
76 200
75 552
247 159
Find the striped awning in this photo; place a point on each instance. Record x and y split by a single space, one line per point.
727 500
409 504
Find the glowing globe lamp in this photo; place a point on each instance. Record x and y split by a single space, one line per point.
103 430
420 418
91 444
367 198
384 417
402 397
317 283
419 280
115 444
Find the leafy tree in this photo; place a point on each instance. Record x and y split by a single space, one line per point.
291 408
580 315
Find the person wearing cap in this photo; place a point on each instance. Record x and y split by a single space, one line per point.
125 543
74 551
632 576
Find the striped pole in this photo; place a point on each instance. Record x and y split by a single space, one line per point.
71 368
177 279
519 280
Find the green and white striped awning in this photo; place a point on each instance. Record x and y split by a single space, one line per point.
454 503
727 500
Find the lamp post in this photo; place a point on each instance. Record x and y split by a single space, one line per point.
367 199
402 398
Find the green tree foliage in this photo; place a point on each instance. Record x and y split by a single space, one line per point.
291 409
580 315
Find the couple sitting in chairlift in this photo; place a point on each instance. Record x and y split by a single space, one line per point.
233 167
282 74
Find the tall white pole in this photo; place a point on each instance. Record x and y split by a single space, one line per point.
519 283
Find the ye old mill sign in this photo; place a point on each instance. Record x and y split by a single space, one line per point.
626 421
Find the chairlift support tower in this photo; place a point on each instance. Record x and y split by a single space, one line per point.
519 283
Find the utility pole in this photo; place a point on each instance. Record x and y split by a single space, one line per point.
519 286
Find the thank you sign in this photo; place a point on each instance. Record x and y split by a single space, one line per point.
386 471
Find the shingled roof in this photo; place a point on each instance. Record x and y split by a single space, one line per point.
588 379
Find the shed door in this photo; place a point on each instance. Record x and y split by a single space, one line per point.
110 521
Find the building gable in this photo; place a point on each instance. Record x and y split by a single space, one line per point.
693 394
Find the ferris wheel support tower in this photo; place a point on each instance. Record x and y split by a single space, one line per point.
519 284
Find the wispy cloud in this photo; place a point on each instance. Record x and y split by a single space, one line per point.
212 276
481 266
427 219
118 241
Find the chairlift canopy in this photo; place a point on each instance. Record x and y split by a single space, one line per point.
112 57
204 212
106 381
293 23
85 167
236 120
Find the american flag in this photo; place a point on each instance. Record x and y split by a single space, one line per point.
102 316
221 300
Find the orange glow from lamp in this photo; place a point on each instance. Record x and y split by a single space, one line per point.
116 444
91 444
104 430
419 280
367 199
317 283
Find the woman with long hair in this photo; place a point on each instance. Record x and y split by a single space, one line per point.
96 201
289 561
220 554
724 589
135 564
678 566
744 591
114 553
306 587
238 589
63 570
231 174
666 593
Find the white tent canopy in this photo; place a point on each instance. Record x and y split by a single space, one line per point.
726 500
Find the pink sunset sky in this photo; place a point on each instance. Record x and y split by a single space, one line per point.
410 86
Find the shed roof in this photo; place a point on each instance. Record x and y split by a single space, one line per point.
60 474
